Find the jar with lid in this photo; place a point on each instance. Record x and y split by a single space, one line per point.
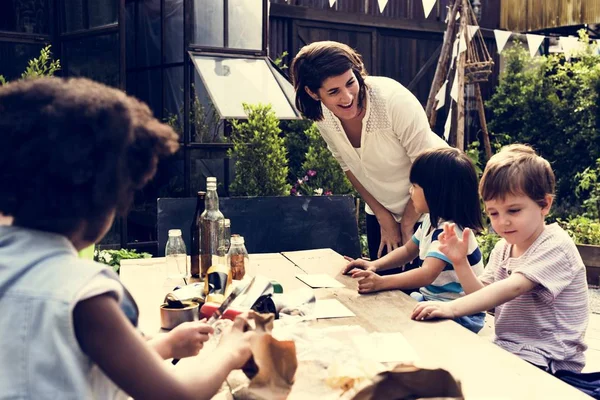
237 257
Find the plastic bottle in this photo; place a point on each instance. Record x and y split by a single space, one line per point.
176 269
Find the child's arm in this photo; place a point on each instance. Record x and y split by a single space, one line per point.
395 258
456 250
185 340
110 340
484 299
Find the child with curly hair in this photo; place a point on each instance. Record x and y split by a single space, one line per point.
72 153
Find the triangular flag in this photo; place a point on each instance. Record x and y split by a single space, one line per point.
472 30
568 45
448 125
501 39
454 90
457 15
382 4
454 53
331 3
534 42
462 46
428 6
441 96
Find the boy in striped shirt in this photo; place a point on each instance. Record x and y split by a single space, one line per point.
535 278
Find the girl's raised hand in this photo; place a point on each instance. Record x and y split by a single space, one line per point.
453 247
368 281
432 309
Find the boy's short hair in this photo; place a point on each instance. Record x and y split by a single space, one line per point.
517 170
74 150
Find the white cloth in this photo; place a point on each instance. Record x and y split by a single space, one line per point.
395 130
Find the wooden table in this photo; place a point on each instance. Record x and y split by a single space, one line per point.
485 370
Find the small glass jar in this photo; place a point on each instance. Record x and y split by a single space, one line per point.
237 257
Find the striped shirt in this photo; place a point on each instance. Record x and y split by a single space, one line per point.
545 326
446 286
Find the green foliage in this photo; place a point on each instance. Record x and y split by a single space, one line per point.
296 143
279 61
205 121
329 176
364 245
582 230
474 154
113 258
486 241
552 104
588 186
260 155
2 80
44 65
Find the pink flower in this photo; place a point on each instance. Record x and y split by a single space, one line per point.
311 172
328 193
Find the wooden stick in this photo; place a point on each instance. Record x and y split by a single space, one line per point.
442 65
460 106
481 112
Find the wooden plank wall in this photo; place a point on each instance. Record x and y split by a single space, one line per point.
532 15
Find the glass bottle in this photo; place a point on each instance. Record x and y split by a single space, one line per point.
211 232
225 242
176 256
195 236
237 257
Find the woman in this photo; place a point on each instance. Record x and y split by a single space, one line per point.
374 127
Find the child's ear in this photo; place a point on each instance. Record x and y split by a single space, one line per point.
549 199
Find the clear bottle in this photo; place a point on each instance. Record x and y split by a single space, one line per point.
237 257
225 243
211 232
195 236
176 266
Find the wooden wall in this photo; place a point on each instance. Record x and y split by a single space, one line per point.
532 15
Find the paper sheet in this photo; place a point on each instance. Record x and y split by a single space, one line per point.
320 281
385 347
331 308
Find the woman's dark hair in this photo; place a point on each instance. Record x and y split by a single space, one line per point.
318 61
72 151
450 186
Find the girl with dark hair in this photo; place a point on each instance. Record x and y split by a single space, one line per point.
444 188
373 126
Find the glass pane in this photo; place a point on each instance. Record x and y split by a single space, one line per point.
149 90
74 15
19 55
206 123
173 112
233 81
208 162
207 29
168 182
95 57
173 31
148 33
245 24
28 16
130 35
103 12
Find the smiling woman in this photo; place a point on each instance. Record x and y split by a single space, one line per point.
374 127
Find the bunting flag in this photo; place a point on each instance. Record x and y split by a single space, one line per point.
471 31
462 46
428 6
331 3
448 125
382 4
569 45
454 53
534 42
501 39
454 90
441 96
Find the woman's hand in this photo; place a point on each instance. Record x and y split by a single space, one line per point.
432 309
368 281
452 246
187 339
359 263
391 237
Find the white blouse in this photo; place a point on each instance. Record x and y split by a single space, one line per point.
395 130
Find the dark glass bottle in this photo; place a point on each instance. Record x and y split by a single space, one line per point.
195 235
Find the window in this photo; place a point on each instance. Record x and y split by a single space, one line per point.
30 16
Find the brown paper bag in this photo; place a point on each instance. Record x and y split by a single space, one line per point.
410 382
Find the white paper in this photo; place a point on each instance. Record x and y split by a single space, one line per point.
501 38
471 31
448 125
385 347
534 42
454 89
428 6
382 4
320 281
331 3
441 96
331 308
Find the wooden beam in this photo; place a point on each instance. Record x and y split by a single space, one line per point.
460 104
424 68
484 130
355 19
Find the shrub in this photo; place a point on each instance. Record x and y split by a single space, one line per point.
261 163
296 143
44 65
486 241
113 258
582 230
